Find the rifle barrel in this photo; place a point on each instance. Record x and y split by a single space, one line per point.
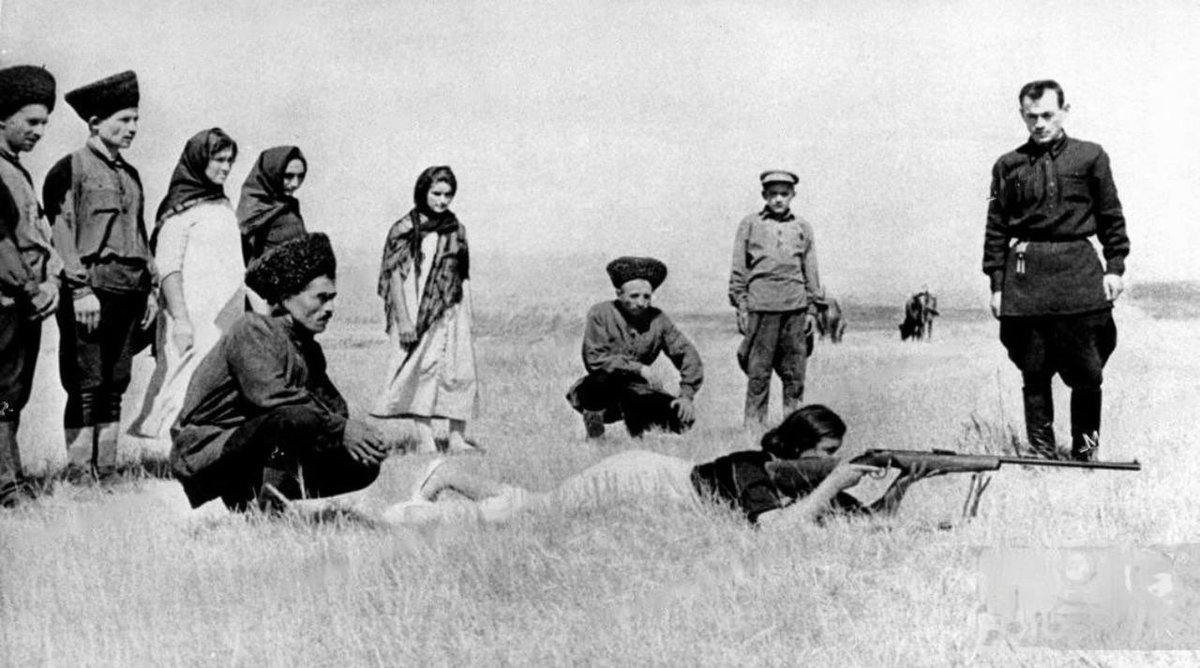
1034 461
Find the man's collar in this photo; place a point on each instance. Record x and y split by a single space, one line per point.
636 321
15 160
1054 148
297 332
97 146
767 214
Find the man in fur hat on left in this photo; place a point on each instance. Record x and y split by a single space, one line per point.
95 204
29 266
621 340
262 423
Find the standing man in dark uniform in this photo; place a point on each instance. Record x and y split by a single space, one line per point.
1049 289
29 267
95 203
621 340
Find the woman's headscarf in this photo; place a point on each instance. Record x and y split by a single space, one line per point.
263 198
189 186
451 264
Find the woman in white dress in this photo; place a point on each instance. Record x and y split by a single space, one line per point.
427 305
197 249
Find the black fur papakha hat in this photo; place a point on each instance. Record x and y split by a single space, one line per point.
625 269
286 269
21 85
105 97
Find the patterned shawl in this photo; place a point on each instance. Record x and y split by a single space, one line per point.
189 186
402 255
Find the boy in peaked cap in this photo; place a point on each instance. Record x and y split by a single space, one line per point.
29 266
621 339
776 289
95 203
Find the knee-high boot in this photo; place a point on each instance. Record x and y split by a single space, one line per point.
282 480
11 473
106 448
1039 419
1085 424
81 448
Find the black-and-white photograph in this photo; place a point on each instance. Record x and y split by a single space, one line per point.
536 333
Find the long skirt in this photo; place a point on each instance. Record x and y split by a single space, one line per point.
173 371
437 377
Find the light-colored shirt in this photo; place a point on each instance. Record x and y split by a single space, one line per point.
774 265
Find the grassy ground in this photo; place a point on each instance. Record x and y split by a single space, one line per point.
132 577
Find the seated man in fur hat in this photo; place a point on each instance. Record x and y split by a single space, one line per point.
621 340
261 419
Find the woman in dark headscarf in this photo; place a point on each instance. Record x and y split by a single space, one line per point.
195 243
424 286
268 212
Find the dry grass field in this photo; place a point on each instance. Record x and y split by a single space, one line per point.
130 576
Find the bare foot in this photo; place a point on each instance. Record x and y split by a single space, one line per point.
459 444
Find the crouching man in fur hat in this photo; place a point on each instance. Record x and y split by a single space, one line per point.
621 340
261 419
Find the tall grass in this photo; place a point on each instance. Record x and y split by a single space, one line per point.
132 577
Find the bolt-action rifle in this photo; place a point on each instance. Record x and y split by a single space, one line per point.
808 472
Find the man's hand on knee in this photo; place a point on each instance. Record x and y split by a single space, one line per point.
684 409
364 442
649 376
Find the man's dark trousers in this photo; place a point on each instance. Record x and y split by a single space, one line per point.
293 449
1076 347
20 338
624 397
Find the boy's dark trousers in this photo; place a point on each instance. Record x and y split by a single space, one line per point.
775 341
615 397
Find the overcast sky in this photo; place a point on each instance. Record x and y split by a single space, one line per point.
618 127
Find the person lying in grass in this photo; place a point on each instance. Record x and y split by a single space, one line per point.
741 480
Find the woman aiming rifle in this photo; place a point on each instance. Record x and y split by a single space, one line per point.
741 480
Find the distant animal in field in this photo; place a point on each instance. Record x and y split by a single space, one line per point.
831 321
919 312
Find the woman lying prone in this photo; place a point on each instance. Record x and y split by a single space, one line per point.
742 480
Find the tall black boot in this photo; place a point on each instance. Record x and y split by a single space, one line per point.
281 482
1039 420
12 491
1085 424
